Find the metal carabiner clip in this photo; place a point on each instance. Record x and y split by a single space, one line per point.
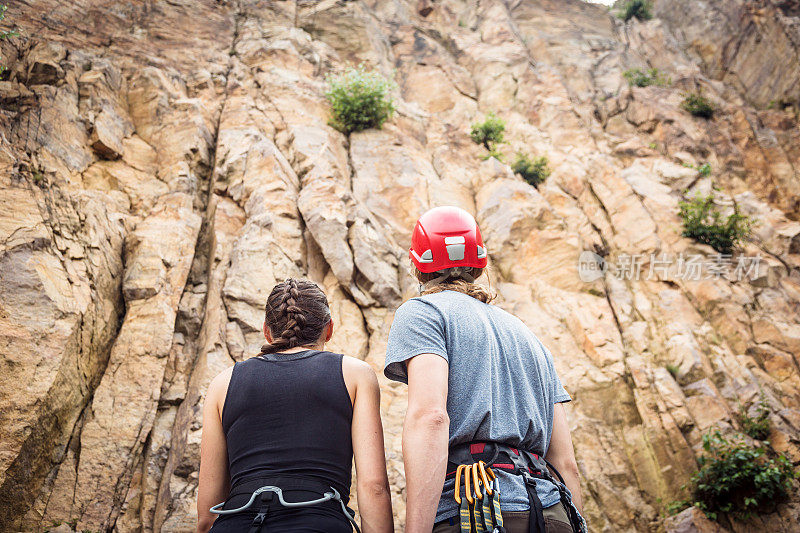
457 487
467 480
476 481
487 476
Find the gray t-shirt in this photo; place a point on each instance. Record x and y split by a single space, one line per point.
502 384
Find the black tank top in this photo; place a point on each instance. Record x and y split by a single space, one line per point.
289 415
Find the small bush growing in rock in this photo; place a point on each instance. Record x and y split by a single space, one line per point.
359 99
641 78
698 105
757 427
494 152
489 133
704 169
673 369
38 177
676 507
534 171
5 34
703 221
641 9
739 479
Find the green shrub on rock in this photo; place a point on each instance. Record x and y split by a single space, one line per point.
739 479
534 171
757 427
640 78
640 9
698 105
359 99
494 152
704 222
489 133
704 169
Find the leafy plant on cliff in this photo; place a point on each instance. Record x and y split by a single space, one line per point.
674 370
641 9
5 34
359 99
704 169
698 105
489 133
757 427
739 479
704 222
641 78
534 171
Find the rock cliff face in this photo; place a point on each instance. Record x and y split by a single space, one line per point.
164 163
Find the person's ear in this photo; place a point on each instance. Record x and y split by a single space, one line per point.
329 331
267 333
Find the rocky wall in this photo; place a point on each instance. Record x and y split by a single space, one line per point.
165 163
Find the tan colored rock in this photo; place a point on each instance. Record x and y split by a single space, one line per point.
103 103
44 64
692 520
763 43
127 396
50 307
390 178
178 476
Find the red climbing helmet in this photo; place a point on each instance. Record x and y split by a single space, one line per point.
447 237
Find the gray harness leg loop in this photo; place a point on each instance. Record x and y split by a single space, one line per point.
268 493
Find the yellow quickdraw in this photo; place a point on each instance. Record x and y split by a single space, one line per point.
479 511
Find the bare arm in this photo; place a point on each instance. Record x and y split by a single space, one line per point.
214 482
372 483
561 455
425 439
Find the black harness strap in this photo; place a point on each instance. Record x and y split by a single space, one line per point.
537 512
263 511
523 465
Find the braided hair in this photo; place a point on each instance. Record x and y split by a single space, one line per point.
296 314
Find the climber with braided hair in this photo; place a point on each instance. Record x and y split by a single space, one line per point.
281 430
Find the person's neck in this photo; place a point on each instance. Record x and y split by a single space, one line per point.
302 349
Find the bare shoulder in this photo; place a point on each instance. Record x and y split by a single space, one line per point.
219 385
359 371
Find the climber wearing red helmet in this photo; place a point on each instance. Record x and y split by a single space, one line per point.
485 438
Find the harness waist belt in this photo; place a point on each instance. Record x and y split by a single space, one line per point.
530 466
266 490
286 483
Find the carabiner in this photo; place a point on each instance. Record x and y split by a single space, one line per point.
487 482
467 491
458 483
476 481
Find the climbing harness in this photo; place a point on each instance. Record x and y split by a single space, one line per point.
269 490
480 511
